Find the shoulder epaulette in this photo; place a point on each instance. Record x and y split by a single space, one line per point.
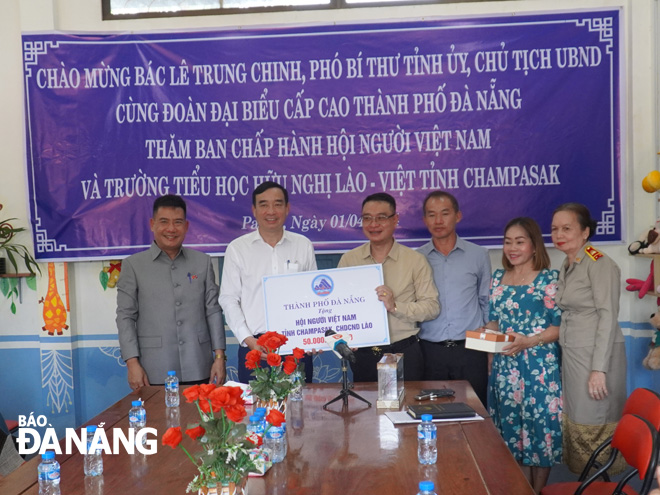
593 253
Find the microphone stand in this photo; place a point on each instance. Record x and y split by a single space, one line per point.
345 391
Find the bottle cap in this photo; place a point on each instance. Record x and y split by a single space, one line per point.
427 417
254 418
136 403
91 428
426 486
48 455
171 373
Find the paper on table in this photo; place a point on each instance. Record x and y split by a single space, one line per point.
402 417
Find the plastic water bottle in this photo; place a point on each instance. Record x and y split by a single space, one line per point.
93 459
296 392
427 452
426 488
261 412
255 431
173 417
49 474
137 417
171 390
275 443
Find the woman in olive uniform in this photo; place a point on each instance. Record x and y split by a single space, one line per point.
593 349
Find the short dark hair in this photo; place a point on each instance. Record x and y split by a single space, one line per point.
264 186
583 216
541 259
169 200
441 195
383 197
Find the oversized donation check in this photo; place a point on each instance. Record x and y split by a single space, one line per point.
304 305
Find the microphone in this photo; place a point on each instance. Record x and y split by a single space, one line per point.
339 345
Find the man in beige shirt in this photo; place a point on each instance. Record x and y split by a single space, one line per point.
409 293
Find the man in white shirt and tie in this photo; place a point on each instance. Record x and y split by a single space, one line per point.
269 250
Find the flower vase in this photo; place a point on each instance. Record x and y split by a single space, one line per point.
272 403
231 488
227 488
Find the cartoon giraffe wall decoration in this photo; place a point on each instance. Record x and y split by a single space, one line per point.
54 309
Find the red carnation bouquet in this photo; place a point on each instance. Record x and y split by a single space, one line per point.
277 380
225 457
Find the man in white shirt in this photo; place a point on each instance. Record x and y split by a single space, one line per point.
268 250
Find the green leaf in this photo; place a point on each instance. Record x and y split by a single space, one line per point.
12 260
31 282
13 308
4 286
103 278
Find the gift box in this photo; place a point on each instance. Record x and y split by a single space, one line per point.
487 341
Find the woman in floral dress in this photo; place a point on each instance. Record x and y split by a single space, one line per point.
525 400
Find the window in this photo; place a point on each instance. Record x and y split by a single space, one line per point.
127 9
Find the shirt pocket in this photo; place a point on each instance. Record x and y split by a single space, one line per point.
292 267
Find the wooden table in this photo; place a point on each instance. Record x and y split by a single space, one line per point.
357 451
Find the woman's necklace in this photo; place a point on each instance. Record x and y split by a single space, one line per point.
517 279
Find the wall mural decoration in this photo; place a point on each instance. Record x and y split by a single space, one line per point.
56 348
55 312
109 275
115 353
57 379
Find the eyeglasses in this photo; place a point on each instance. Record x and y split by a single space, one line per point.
380 219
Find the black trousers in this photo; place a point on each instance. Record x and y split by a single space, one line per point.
442 362
365 370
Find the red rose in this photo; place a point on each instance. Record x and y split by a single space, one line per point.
191 393
274 359
275 417
195 432
230 399
298 353
205 389
172 437
252 359
290 365
235 413
272 340
205 406
225 397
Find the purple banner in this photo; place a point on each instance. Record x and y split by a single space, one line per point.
513 115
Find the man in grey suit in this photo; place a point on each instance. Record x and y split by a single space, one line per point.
168 314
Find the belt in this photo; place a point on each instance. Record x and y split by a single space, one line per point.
396 347
448 343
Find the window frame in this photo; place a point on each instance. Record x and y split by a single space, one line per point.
333 5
